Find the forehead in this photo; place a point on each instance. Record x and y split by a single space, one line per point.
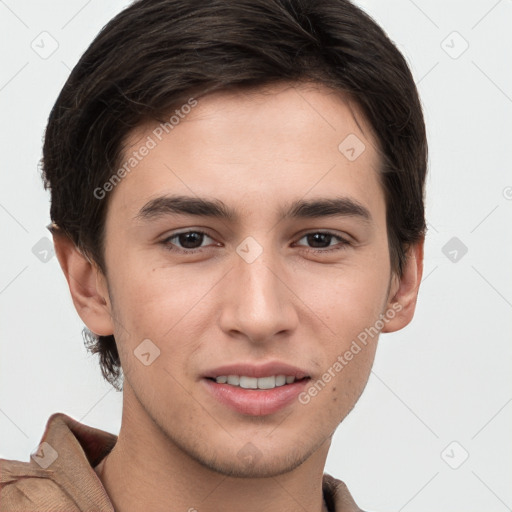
268 145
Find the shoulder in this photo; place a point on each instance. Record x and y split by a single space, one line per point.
24 487
337 495
59 474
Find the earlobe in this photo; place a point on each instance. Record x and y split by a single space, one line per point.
87 285
402 304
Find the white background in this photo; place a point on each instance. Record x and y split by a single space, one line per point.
446 377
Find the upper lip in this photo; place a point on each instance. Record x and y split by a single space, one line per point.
261 370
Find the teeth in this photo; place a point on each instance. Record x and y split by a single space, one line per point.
245 382
249 382
266 382
281 380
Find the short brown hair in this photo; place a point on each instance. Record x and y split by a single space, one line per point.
155 54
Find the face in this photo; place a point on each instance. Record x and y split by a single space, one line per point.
281 268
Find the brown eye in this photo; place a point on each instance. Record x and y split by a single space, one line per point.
324 241
319 239
186 241
190 240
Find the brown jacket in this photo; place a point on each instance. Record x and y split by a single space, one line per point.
60 475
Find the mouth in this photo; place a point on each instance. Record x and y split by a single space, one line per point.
256 390
246 382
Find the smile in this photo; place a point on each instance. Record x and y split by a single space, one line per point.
246 382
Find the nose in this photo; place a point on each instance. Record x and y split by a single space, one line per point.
258 303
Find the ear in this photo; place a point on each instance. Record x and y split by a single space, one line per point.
87 284
404 290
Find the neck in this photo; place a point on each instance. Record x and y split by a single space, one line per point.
147 468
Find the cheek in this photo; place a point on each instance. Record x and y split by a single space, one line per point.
347 298
349 302
163 305
334 393
154 299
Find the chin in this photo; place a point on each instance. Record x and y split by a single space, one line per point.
258 467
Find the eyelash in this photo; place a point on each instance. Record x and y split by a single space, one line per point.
171 247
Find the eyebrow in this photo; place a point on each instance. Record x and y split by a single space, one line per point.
215 208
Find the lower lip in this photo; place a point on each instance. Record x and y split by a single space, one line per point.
256 402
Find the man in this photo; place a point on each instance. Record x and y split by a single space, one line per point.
237 205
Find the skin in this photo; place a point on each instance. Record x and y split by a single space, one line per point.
257 152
